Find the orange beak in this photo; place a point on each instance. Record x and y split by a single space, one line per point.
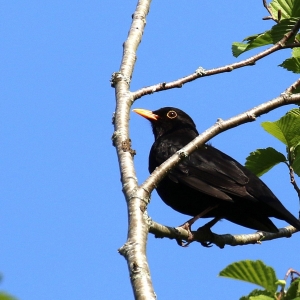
148 114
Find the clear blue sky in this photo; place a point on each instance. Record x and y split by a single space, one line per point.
63 215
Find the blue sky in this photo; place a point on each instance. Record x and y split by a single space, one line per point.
63 215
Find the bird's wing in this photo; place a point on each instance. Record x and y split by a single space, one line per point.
207 170
197 184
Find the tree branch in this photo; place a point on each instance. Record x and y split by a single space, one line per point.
265 4
292 178
134 250
220 126
200 72
293 87
162 231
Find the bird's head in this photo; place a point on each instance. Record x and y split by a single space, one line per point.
167 119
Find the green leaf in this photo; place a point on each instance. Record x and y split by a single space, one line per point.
269 37
288 8
291 64
286 129
279 30
295 112
262 160
259 41
251 37
296 91
274 129
296 159
261 297
296 164
238 48
281 282
296 52
4 296
293 291
252 271
257 293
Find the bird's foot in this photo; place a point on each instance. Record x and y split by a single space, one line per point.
187 226
202 235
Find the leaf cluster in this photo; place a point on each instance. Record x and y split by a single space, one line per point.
286 130
286 13
257 272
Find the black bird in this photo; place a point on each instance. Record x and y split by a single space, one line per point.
209 183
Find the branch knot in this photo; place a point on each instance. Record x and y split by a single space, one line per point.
117 77
285 96
126 147
139 194
200 71
182 154
114 136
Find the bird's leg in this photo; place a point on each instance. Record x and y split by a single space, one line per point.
188 226
206 230
205 233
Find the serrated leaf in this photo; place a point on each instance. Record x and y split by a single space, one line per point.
286 129
288 8
290 125
261 297
279 30
269 37
259 41
252 271
291 64
294 111
258 292
261 161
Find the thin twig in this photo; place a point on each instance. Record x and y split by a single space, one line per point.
268 9
293 87
292 178
291 272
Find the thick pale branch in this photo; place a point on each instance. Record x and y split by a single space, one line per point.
134 249
200 72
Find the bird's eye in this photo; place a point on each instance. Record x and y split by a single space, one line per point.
172 114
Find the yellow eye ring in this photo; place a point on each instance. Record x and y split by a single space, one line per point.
171 114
